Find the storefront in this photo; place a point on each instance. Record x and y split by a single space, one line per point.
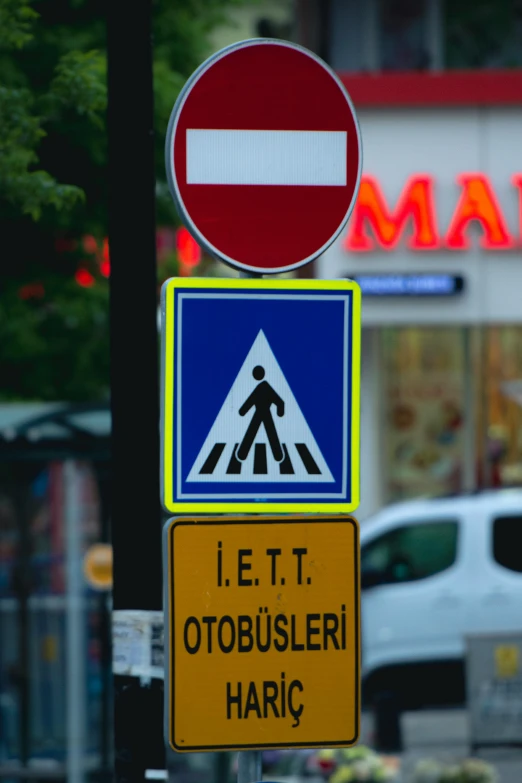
435 241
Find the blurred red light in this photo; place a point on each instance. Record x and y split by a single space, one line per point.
189 252
62 245
105 268
326 764
84 278
32 291
89 244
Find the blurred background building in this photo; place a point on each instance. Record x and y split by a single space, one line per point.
435 241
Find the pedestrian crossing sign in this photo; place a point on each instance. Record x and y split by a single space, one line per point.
260 395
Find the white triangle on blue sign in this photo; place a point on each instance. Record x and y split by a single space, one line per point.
260 433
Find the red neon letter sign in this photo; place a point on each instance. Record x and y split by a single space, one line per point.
415 202
478 202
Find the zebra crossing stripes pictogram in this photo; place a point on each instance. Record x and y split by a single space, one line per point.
260 433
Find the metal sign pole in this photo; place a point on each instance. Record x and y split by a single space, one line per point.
135 510
249 766
75 608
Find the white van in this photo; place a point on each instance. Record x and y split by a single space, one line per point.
433 571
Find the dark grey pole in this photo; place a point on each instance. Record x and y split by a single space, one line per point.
249 766
135 509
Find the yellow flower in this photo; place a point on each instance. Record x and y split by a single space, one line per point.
326 754
342 774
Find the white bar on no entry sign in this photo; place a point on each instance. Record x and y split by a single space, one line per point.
253 157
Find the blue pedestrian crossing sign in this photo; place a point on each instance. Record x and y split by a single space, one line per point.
260 395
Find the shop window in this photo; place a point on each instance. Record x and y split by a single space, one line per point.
419 35
410 553
379 35
507 536
403 35
502 409
479 34
423 411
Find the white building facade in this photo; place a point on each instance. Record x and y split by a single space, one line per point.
436 243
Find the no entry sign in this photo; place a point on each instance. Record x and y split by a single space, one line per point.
263 155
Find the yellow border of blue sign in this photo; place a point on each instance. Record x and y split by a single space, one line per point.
167 397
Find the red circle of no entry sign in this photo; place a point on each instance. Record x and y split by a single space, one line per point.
263 155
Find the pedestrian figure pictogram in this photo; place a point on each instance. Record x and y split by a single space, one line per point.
260 433
261 399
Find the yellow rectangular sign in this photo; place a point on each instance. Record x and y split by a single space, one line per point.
262 632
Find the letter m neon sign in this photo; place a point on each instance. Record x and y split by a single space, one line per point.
415 208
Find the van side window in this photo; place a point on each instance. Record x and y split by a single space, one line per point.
409 553
507 542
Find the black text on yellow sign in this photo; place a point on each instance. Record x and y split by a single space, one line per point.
262 643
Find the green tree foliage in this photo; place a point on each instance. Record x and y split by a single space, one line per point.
25 112
482 34
53 182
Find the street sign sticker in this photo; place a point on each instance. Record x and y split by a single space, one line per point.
263 155
260 395
262 632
